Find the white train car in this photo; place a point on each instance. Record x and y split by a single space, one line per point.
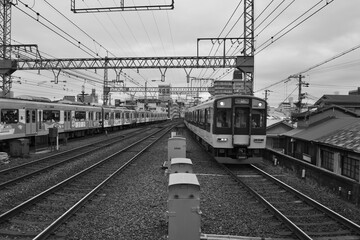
32 120
231 127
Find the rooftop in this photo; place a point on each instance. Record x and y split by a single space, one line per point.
347 137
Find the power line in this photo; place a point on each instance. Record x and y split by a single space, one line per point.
73 23
77 44
273 39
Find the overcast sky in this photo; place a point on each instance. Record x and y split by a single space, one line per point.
282 49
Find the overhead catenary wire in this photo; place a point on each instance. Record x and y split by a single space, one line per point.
74 41
79 28
314 66
65 35
272 40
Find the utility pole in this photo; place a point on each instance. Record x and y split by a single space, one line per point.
301 95
266 94
83 93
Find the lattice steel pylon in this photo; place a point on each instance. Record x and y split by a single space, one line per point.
246 62
5 49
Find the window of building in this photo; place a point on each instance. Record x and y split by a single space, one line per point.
350 167
327 160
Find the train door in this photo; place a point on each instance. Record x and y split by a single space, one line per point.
91 119
241 125
241 120
31 121
67 120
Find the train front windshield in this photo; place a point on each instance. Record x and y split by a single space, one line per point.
247 113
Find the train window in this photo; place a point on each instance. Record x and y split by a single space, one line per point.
66 116
117 115
33 116
98 116
27 116
223 118
202 116
257 119
51 115
107 115
207 118
80 115
241 116
91 116
9 116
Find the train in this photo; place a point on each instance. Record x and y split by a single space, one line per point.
231 127
35 119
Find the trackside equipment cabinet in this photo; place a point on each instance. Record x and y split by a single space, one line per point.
176 148
184 215
181 165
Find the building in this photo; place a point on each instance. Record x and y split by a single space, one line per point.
350 102
274 130
287 108
69 98
328 138
88 98
355 92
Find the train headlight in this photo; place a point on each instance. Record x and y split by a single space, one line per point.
222 139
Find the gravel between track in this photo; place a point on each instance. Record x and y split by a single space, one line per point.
133 206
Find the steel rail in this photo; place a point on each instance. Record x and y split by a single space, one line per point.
27 175
292 226
337 217
57 223
10 213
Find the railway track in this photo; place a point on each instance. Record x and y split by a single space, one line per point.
306 218
24 171
40 216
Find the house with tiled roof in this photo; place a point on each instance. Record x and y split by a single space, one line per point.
343 147
274 129
350 102
315 115
328 138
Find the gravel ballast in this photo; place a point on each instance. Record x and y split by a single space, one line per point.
134 205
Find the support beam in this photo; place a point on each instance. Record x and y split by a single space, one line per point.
128 63
121 7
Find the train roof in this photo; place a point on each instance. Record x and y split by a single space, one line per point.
33 98
225 96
